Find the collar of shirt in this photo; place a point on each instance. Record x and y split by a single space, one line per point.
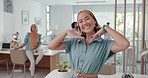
98 39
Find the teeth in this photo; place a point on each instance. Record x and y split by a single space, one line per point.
86 27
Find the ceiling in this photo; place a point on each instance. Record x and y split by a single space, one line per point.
86 2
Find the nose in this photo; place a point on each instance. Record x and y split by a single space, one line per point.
84 22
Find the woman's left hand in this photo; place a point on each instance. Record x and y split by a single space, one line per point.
98 33
35 50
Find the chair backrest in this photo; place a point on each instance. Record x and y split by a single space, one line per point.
18 56
144 53
108 70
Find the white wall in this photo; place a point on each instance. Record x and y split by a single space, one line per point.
1 20
12 22
61 16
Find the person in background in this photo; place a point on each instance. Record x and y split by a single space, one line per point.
89 53
32 42
75 27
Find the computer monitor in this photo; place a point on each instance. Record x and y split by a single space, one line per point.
5 45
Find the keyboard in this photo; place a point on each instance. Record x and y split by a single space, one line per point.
3 49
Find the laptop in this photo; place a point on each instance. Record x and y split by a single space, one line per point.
5 47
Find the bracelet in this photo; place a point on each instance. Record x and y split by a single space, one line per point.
104 28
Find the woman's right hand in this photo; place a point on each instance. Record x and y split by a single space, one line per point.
73 34
98 33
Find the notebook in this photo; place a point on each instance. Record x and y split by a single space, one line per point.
5 46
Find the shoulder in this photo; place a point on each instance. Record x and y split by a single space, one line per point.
69 39
28 33
108 41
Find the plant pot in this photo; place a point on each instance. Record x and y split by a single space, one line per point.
63 74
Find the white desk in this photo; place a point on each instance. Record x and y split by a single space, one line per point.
53 74
45 52
50 59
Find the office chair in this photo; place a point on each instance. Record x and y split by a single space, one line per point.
108 69
144 55
18 57
5 60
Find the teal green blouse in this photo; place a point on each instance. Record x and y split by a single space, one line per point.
88 59
27 41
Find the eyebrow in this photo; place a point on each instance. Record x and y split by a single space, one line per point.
84 18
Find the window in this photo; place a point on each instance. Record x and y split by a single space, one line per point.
47 19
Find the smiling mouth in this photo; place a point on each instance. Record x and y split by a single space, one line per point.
86 27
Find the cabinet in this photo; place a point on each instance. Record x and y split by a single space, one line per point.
49 61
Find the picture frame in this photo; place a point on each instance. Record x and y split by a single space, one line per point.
25 17
38 21
8 6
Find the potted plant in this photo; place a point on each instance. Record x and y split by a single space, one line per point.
63 70
63 67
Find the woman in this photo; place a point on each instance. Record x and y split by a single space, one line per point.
88 53
32 42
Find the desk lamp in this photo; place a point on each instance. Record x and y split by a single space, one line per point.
16 38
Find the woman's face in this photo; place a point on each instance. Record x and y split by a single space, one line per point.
86 22
34 28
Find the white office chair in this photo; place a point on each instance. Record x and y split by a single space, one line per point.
18 57
108 69
144 55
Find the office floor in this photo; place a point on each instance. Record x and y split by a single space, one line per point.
39 73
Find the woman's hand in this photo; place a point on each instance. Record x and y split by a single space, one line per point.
73 34
35 50
98 33
16 48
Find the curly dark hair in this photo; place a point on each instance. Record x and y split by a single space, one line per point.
73 24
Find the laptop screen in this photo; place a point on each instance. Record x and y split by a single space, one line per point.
6 46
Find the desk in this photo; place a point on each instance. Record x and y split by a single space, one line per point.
53 74
50 59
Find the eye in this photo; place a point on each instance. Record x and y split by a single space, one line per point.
80 21
87 18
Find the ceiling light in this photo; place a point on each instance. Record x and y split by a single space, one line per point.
91 2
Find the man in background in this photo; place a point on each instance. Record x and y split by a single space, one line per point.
74 27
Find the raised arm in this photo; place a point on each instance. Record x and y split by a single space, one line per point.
121 43
58 44
21 46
